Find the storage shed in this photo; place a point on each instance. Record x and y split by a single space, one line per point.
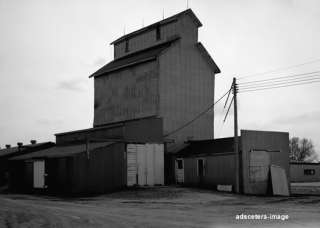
95 160
70 169
211 163
304 172
21 149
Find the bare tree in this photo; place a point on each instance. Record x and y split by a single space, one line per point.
302 149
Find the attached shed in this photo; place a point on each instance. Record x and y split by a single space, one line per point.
70 169
10 152
93 161
304 172
211 163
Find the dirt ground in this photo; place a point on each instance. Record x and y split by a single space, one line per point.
158 207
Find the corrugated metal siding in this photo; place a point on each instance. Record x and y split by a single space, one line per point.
127 94
297 173
145 164
131 165
219 169
105 171
186 88
146 39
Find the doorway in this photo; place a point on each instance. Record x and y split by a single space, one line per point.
39 174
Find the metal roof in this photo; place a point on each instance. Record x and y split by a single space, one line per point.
209 59
62 151
164 21
134 58
207 147
304 163
22 149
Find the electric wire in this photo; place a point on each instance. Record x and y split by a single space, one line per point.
309 74
278 69
273 87
224 120
275 83
198 116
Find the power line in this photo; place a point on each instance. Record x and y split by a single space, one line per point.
198 116
224 120
279 69
287 82
258 89
282 78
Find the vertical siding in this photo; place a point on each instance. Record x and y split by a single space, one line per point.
127 94
219 169
186 88
105 171
297 173
145 39
262 140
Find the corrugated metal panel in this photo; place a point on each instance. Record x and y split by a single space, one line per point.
159 164
150 163
127 94
38 174
186 88
145 162
142 164
131 164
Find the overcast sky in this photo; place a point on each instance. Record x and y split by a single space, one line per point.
49 48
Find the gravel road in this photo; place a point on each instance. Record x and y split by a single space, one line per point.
157 207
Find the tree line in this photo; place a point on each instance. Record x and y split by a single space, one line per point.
302 150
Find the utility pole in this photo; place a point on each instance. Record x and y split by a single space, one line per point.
236 140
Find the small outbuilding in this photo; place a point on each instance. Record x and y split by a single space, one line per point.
212 163
304 172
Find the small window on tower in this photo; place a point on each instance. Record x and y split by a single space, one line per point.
127 46
158 33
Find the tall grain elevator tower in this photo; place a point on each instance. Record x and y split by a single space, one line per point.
160 71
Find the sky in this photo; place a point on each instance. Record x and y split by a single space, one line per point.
49 48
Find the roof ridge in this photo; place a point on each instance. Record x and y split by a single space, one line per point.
163 21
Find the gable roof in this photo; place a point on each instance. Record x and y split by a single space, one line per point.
62 151
208 58
134 58
162 22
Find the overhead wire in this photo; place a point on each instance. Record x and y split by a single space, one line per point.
275 83
278 69
309 74
224 120
273 87
197 116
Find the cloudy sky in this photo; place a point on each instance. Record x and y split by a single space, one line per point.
49 48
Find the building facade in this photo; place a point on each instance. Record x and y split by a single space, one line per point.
210 163
161 70
304 172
